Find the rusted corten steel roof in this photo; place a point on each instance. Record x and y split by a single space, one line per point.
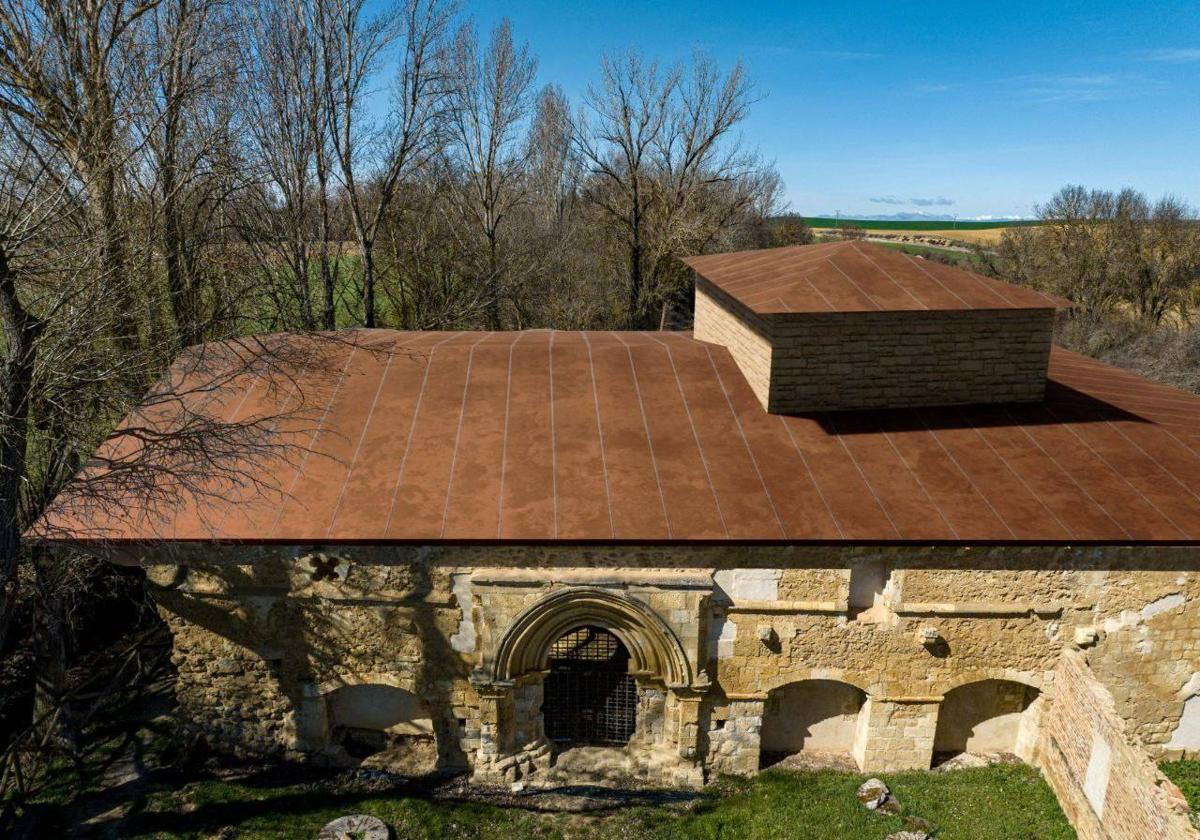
856 277
640 437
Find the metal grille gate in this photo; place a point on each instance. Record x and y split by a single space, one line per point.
589 696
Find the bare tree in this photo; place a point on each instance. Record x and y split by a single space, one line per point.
188 61
708 182
65 75
1157 252
618 136
555 286
1107 251
370 159
25 209
489 99
792 230
287 117
554 170
666 169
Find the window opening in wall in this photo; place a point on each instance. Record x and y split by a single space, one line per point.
589 696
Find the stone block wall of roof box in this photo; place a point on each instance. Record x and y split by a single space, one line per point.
854 326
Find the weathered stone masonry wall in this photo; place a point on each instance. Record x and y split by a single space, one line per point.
747 336
1107 784
260 642
263 635
799 362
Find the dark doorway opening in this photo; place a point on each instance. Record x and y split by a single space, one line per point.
589 696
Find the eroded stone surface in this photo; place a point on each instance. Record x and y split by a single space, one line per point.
355 827
261 646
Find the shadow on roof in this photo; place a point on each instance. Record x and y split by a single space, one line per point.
1063 406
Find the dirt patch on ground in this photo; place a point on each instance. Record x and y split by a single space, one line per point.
933 238
566 798
811 760
987 236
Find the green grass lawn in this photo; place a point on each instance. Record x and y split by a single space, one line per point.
1004 802
1186 775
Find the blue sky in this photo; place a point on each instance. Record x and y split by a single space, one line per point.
877 108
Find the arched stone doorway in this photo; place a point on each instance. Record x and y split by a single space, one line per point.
541 692
589 696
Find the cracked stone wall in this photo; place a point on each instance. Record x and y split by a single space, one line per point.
1148 658
263 635
1107 784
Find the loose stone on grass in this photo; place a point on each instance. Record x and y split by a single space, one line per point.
876 796
873 793
889 806
355 827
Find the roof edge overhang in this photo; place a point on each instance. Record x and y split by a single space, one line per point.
126 543
1051 301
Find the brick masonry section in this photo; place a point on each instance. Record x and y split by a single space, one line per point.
854 360
1106 783
746 335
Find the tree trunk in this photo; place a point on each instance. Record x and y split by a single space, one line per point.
102 202
635 258
96 156
493 283
329 315
303 289
368 258
51 712
635 282
180 282
21 330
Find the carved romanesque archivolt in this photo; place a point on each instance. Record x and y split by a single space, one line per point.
655 651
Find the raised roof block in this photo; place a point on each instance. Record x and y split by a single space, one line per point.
851 325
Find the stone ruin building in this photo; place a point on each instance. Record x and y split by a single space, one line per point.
864 509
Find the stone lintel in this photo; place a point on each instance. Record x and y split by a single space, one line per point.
787 607
670 579
977 608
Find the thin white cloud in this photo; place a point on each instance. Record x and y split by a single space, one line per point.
1071 87
934 87
937 201
1186 55
847 55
